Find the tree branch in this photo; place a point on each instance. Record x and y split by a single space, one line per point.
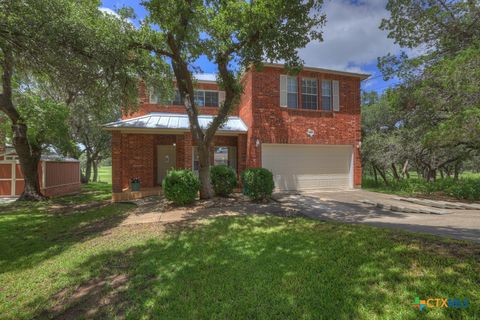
151 47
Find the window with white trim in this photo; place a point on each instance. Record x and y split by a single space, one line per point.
288 91
292 92
309 94
326 95
204 98
222 155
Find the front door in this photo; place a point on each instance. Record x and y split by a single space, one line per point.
165 161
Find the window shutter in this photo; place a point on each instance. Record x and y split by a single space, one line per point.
336 95
283 90
221 97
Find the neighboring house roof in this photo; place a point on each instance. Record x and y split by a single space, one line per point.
174 121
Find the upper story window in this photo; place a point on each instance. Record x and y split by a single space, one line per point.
309 94
326 95
177 100
202 98
292 92
206 98
288 91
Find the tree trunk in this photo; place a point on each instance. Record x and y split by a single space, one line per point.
88 168
431 174
95 170
382 174
375 174
29 157
405 170
456 172
206 190
395 172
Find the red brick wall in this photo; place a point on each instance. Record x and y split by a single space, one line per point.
259 108
132 156
270 123
146 107
135 155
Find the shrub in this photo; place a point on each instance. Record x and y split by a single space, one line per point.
181 186
466 188
463 188
223 180
257 183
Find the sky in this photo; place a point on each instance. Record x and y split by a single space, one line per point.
352 39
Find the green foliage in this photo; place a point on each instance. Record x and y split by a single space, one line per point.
463 189
224 180
257 183
181 186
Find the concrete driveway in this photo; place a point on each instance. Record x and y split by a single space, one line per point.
345 206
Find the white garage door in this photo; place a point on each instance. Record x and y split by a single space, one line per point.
309 167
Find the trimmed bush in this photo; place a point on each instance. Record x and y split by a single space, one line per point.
257 183
181 186
223 180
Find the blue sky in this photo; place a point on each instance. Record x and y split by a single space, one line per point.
352 40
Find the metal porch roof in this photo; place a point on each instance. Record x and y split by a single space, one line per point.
174 121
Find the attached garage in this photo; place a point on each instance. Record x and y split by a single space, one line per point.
309 167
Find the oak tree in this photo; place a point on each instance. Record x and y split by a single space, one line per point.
233 35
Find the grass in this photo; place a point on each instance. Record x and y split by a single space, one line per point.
105 174
74 264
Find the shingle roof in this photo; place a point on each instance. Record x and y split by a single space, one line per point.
173 121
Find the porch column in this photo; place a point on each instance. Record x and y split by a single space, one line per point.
179 151
116 162
187 142
241 153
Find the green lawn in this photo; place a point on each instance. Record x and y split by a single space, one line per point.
82 265
105 174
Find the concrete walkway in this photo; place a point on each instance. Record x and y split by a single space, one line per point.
346 206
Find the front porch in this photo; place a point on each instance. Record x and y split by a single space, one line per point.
148 153
129 195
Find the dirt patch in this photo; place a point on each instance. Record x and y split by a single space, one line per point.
90 300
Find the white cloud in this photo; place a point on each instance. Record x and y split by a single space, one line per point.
113 13
352 38
109 11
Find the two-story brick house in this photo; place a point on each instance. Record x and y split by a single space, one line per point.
304 128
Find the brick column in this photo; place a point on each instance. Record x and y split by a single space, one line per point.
116 162
180 151
187 147
241 153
